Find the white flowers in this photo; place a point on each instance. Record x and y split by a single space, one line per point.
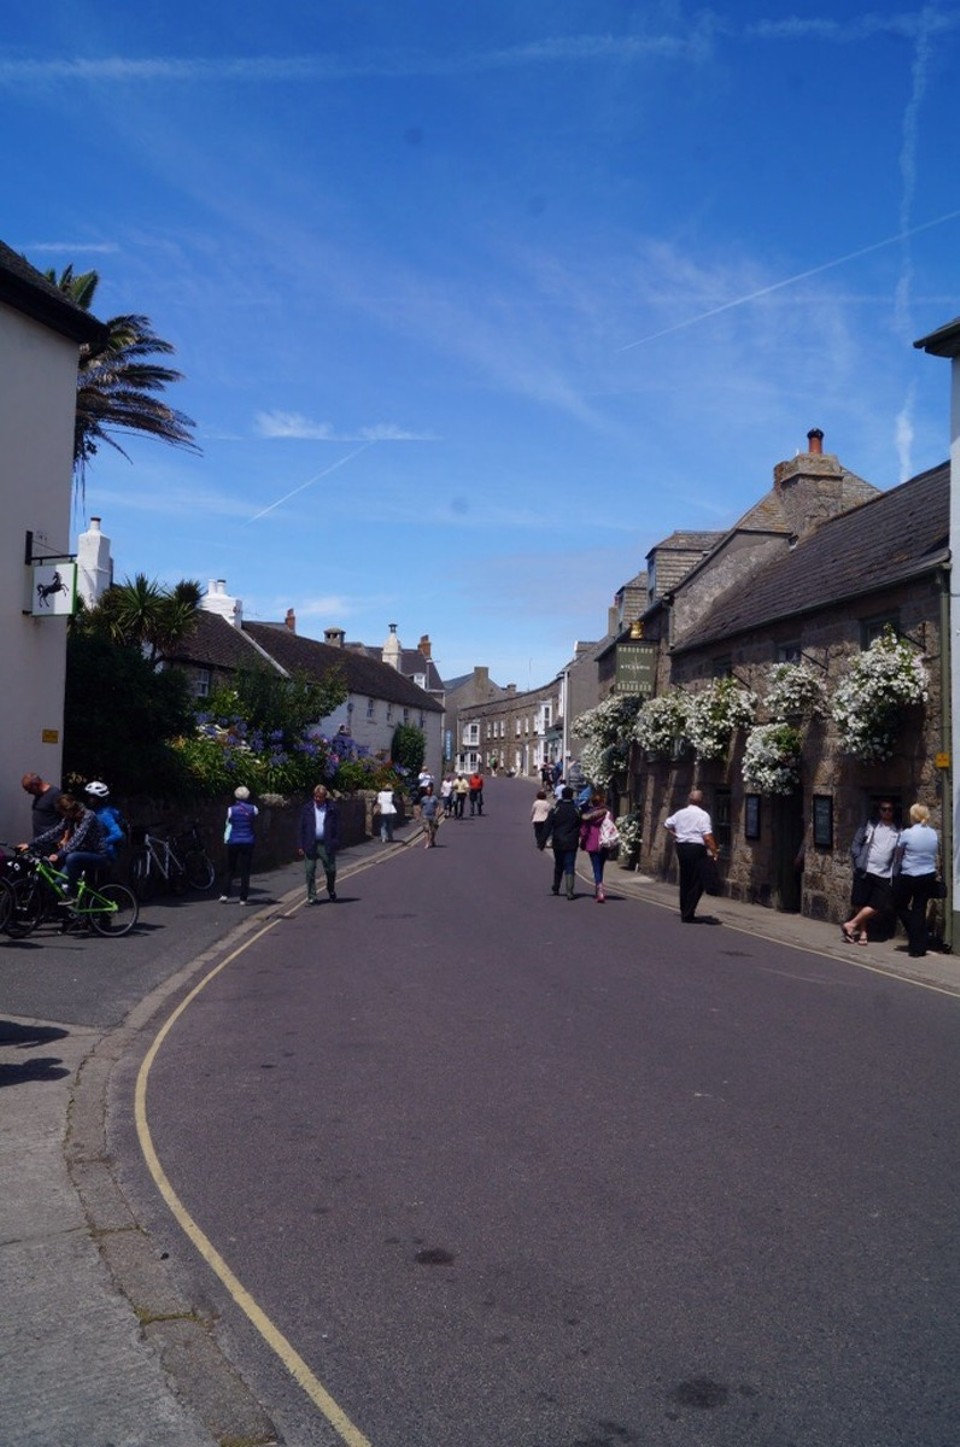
716 713
884 679
629 827
661 724
795 692
771 758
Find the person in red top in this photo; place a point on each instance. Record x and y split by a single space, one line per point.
476 792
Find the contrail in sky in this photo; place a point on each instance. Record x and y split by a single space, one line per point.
790 280
309 482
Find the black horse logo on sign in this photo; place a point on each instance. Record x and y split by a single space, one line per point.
46 591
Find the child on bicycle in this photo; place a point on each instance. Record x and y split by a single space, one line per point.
108 816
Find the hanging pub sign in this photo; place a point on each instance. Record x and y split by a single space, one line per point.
54 589
636 668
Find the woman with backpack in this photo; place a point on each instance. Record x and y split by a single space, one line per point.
594 839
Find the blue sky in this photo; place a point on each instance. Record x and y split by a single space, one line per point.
476 303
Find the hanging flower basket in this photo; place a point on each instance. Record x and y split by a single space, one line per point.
795 692
715 715
868 704
662 723
771 759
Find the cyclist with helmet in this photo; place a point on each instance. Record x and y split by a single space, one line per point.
108 816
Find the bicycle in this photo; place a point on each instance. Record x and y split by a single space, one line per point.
180 863
109 909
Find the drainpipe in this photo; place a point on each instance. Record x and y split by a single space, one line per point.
946 775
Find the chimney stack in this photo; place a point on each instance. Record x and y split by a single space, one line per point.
291 620
425 646
815 439
334 637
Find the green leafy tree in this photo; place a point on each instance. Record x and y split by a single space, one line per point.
281 708
408 748
121 717
119 383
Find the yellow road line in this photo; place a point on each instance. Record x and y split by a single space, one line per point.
274 1338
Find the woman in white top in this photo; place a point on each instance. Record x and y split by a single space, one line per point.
914 884
387 809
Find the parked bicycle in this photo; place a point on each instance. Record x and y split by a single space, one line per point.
177 864
40 891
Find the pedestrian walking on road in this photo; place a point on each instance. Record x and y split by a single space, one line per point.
430 813
461 789
872 852
446 794
238 836
915 877
692 829
319 839
564 832
475 783
591 821
386 808
539 815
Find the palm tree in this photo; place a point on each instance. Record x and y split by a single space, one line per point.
117 382
139 611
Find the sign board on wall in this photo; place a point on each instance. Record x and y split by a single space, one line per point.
54 590
636 669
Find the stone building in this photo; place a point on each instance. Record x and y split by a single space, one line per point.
834 563
515 733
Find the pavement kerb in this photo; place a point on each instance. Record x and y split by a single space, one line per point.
184 1338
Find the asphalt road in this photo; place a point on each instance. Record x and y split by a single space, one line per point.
511 1171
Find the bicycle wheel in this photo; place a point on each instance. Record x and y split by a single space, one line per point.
198 869
143 875
122 915
26 909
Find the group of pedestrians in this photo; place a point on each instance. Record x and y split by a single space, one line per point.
457 789
566 828
895 869
74 835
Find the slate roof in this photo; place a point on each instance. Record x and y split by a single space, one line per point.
28 291
897 535
215 643
687 541
363 675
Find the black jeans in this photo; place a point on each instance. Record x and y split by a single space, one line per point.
238 863
911 895
690 857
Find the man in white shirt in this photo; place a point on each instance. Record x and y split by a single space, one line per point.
692 829
872 852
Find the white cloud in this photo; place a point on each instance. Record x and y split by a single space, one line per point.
295 426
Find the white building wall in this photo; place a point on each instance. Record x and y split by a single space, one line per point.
38 387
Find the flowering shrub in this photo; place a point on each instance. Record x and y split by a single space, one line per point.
771 759
225 752
662 722
886 678
631 837
795 692
716 713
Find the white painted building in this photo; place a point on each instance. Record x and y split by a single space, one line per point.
40 336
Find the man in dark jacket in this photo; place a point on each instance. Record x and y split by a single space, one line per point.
319 839
563 828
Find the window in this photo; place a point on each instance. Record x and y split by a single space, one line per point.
723 667
871 628
420 679
406 715
421 718
788 652
721 819
201 683
473 733
389 713
526 725
371 708
517 723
